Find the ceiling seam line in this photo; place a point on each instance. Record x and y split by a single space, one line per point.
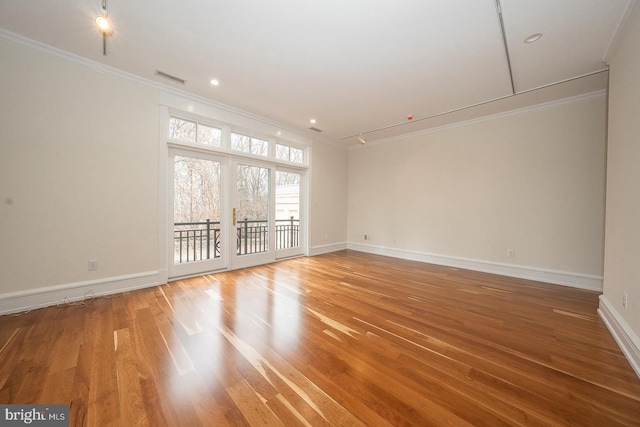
506 45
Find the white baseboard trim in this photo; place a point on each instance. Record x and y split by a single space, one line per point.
325 249
575 280
42 297
628 341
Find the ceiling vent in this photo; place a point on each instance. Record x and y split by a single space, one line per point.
170 77
315 129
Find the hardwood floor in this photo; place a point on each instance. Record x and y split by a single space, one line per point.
343 339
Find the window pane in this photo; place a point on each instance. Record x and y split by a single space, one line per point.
209 135
287 210
252 201
297 155
240 142
282 152
259 147
196 209
182 129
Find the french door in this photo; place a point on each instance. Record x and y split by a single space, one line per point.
230 212
289 211
251 207
196 212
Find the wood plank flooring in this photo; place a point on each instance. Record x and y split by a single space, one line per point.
343 339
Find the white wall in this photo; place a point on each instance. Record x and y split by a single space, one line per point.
622 248
80 178
532 182
78 172
328 200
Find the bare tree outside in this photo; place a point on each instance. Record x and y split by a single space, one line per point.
196 190
196 209
287 178
253 192
182 129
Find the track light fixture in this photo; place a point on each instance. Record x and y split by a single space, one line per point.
104 26
361 140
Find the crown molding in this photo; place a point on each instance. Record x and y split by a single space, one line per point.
524 110
633 8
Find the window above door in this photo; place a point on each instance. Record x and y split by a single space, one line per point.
225 138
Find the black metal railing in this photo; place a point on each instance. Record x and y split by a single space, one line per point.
287 233
252 236
196 241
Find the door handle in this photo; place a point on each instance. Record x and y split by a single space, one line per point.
234 216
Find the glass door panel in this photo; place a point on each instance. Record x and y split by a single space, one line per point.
287 221
251 215
196 246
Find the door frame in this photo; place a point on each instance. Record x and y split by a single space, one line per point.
177 106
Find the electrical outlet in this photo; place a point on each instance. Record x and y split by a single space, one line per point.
366 237
625 299
511 253
93 265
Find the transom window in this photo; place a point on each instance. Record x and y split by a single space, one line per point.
190 131
249 144
290 154
193 131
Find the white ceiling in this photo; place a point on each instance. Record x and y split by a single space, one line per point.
356 66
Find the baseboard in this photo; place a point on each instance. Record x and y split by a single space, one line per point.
575 280
325 249
628 341
42 297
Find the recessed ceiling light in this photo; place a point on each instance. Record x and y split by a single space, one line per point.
533 37
215 82
312 121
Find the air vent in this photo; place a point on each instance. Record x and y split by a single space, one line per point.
170 77
315 129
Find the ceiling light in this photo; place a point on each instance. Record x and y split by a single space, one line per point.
104 25
312 121
361 140
215 82
533 37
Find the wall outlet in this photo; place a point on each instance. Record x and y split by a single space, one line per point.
366 237
326 237
511 253
93 265
625 299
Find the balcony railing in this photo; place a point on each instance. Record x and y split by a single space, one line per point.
197 241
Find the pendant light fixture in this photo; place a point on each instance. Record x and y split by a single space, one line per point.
104 26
